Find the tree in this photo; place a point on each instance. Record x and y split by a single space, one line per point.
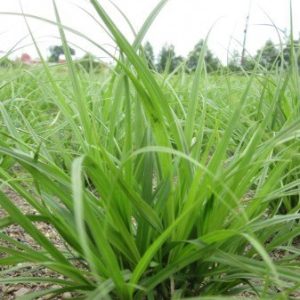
271 55
5 62
167 59
268 55
56 51
234 63
212 63
288 50
249 63
178 60
149 55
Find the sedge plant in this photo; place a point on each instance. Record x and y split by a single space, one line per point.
161 186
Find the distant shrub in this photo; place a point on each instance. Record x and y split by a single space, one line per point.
6 62
89 62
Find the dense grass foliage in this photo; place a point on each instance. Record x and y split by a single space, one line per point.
162 186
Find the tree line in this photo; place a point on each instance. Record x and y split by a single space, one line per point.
268 57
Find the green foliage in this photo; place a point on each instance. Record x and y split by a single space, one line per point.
160 187
149 55
56 51
90 63
211 62
168 61
269 55
5 62
287 53
234 62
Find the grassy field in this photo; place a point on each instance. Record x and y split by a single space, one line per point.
160 186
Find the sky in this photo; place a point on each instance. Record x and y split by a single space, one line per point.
181 23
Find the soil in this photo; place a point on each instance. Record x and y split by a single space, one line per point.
13 291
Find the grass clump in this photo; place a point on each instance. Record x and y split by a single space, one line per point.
161 186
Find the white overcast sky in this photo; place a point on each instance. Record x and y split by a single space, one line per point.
182 23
